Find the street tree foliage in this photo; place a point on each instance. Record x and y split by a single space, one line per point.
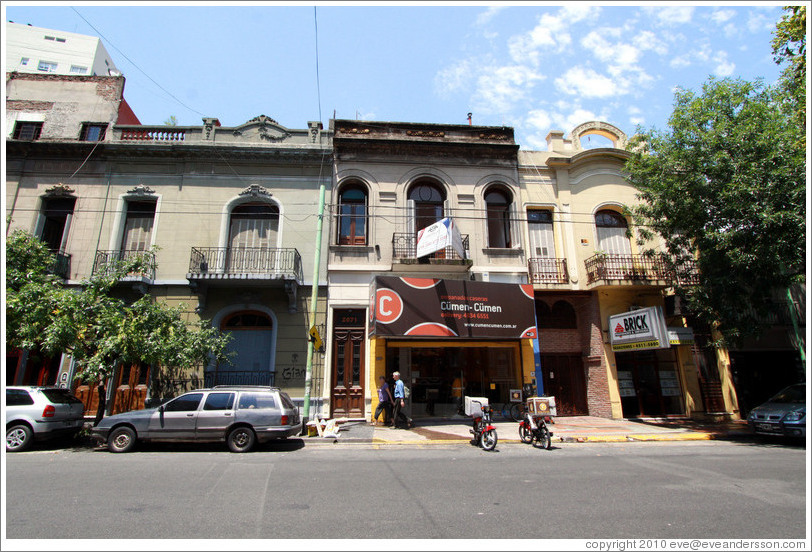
725 185
789 49
99 330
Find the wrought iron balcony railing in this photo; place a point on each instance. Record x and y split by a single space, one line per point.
237 262
548 271
404 249
108 261
61 266
638 268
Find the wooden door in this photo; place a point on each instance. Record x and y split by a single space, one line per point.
348 373
131 388
564 379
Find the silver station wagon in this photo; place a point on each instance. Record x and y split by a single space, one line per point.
240 416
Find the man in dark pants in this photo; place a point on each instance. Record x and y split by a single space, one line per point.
384 403
399 419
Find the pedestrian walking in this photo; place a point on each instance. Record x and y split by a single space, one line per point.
399 418
385 401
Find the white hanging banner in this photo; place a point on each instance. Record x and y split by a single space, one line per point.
438 236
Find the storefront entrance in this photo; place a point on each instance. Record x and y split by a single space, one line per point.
431 371
649 383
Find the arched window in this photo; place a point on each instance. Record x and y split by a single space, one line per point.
427 203
252 234
497 204
612 229
352 215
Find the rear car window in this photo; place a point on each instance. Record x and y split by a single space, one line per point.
286 401
18 397
219 401
60 396
257 400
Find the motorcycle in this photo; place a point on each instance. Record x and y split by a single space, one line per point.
484 431
533 429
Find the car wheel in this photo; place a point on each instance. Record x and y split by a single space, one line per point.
241 439
18 438
121 439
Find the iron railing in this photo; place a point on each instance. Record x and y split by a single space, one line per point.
285 263
242 377
404 248
639 268
107 261
548 271
61 266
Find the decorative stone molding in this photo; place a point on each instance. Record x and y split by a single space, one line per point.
426 133
141 190
315 128
617 136
208 126
493 136
256 191
60 190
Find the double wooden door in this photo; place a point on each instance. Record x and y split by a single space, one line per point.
565 380
348 373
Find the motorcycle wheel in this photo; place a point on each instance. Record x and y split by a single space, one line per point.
487 439
542 439
525 434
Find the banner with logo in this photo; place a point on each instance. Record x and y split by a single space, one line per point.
427 307
438 236
638 329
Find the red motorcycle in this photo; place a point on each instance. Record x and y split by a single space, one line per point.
484 431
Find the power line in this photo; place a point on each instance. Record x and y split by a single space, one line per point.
134 64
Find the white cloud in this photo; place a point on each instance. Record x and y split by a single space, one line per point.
722 16
588 83
485 17
671 15
647 40
680 62
551 32
499 89
453 78
724 67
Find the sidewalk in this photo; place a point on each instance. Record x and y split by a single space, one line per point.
571 429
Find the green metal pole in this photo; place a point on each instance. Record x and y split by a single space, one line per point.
799 339
314 297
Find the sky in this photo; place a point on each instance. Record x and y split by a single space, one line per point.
536 67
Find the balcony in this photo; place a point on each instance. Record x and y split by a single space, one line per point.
548 271
404 252
106 262
610 268
61 266
213 266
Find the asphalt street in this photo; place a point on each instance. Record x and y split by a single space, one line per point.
703 489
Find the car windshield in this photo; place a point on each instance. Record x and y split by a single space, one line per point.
795 394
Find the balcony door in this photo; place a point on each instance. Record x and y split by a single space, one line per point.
426 205
252 238
56 218
612 230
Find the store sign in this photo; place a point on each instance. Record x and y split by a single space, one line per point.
427 307
680 336
638 329
438 236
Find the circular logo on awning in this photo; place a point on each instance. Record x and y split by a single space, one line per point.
388 306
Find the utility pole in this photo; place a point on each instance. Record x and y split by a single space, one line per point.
314 297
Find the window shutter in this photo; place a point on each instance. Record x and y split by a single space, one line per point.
410 216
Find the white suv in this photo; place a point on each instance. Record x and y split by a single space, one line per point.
38 413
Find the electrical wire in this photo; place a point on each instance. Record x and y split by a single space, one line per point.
134 64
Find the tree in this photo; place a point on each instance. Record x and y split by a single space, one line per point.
171 121
99 330
789 47
726 184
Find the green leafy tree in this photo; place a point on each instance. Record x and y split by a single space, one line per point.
725 185
99 330
789 49
171 121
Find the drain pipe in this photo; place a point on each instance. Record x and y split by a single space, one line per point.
314 297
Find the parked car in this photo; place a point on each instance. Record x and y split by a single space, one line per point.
783 414
240 416
37 413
